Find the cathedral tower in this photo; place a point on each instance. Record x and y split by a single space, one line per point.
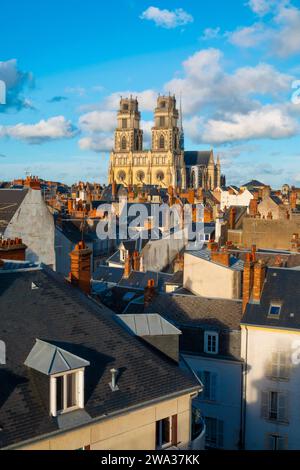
128 135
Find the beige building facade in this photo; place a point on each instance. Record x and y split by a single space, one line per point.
132 430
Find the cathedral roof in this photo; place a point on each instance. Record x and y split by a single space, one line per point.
195 157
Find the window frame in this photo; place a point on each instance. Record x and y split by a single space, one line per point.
158 424
79 392
214 334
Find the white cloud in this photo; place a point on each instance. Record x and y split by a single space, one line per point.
167 18
267 122
147 99
280 36
249 36
97 143
16 82
205 83
262 7
45 130
211 33
98 121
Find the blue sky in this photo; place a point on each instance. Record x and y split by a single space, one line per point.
66 63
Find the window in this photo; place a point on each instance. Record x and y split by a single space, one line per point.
276 442
279 365
66 393
124 143
125 107
274 406
214 432
166 432
274 311
209 381
162 121
161 142
211 342
124 123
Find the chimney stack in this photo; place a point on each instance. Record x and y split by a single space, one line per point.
221 257
247 280
295 243
127 267
114 190
253 253
136 261
80 274
12 249
258 280
232 214
149 292
253 207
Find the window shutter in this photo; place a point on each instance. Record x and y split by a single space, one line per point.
284 365
265 404
220 433
275 367
282 407
281 443
213 386
174 430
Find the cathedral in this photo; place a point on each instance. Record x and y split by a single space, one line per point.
166 163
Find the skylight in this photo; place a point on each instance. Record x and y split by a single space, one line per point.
274 311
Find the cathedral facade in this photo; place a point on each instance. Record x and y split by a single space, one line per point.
164 164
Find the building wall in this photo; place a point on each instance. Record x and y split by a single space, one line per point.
158 254
258 352
267 205
135 430
227 406
34 223
210 279
272 234
228 199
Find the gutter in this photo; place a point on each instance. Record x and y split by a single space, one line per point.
103 418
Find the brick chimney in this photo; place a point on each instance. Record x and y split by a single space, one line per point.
136 261
253 253
127 266
293 199
212 245
232 214
221 257
149 292
80 274
278 262
295 243
12 249
32 182
253 207
258 280
247 280
114 190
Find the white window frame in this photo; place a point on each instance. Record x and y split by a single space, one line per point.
276 441
282 406
79 391
214 334
167 444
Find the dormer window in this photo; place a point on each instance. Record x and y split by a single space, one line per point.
274 310
211 342
66 374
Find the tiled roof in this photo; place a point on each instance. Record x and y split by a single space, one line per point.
58 313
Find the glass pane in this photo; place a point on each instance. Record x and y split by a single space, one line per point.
157 433
71 390
165 431
59 393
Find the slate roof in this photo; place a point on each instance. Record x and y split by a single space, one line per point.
205 254
150 324
58 313
10 201
281 286
194 310
192 158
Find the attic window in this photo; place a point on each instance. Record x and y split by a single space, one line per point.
274 311
66 372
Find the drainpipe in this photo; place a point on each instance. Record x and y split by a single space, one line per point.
244 394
